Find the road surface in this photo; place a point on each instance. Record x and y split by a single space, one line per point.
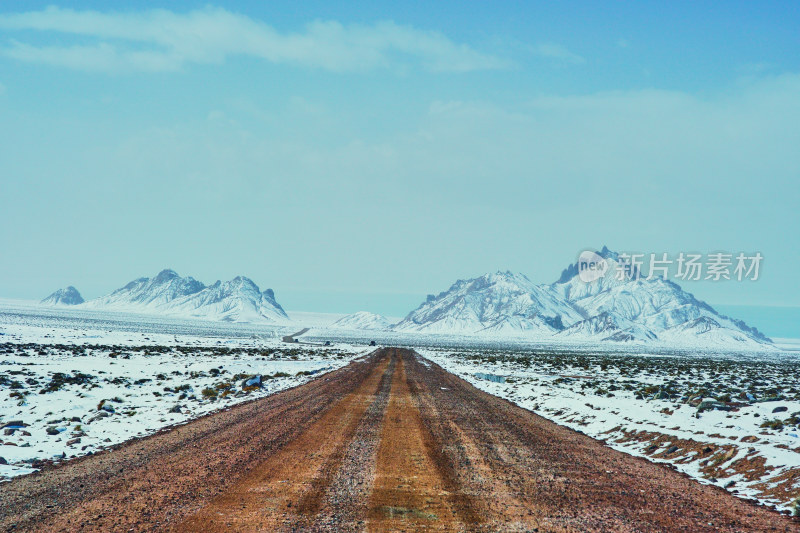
391 442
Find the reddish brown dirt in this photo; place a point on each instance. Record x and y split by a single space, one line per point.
387 444
289 485
414 487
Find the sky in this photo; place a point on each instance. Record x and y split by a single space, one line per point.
361 156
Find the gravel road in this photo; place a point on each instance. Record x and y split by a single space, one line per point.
391 442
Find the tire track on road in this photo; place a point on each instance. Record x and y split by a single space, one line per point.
345 505
415 487
288 486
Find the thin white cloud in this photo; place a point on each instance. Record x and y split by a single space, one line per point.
559 52
161 40
99 57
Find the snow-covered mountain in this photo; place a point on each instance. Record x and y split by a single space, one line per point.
237 300
606 327
68 296
626 308
157 292
499 302
363 320
648 309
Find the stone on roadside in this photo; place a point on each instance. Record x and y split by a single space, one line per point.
252 381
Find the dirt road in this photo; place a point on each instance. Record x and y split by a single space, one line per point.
388 443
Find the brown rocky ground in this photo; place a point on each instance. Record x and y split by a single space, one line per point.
389 443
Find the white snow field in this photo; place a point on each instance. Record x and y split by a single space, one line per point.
732 421
73 383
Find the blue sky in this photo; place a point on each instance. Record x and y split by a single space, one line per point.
361 156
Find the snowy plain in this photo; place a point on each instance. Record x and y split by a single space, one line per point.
701 411
74 383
